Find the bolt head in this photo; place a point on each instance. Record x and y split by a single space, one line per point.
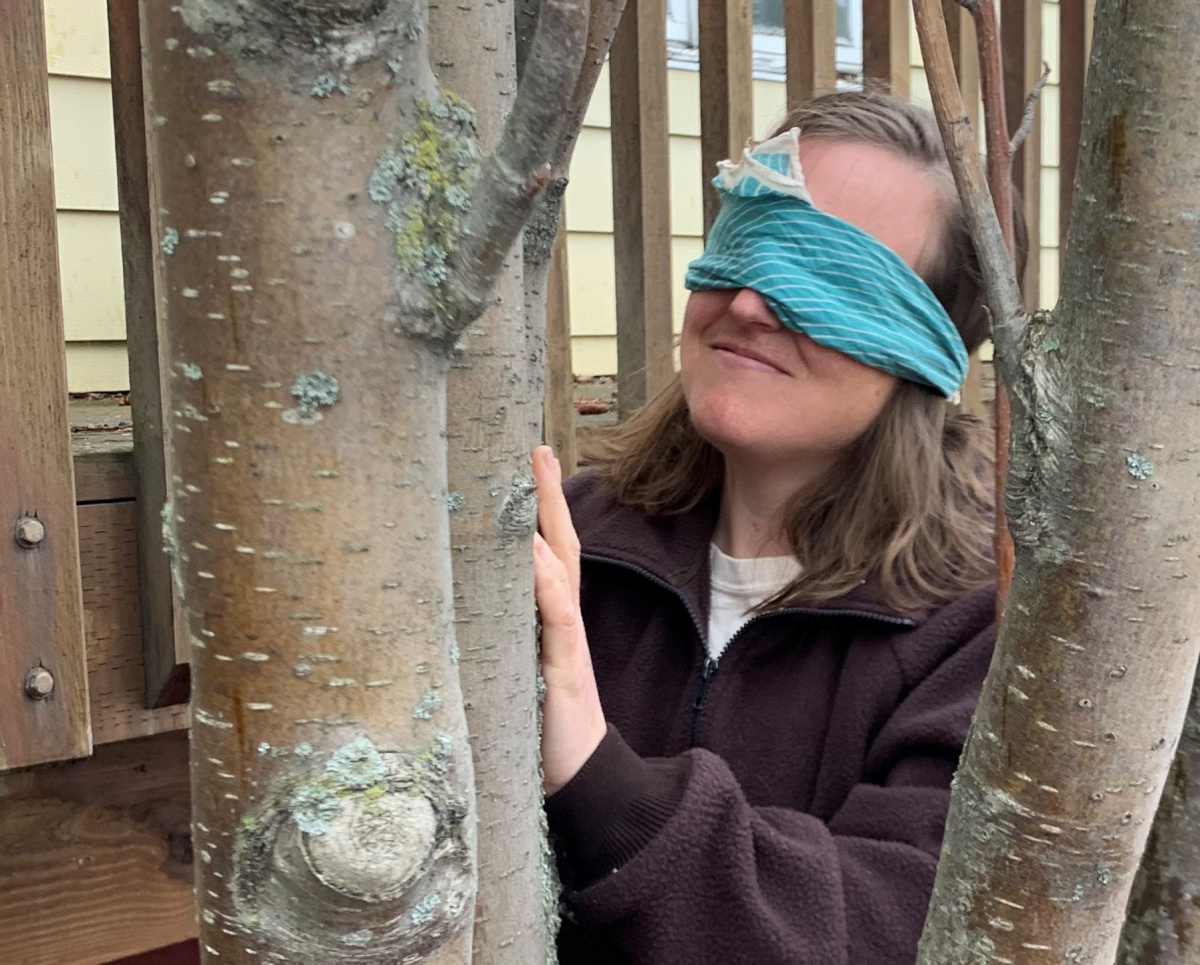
29 531
39 683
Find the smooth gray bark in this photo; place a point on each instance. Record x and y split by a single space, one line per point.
1077 725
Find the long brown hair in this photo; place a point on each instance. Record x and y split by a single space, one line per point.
910 503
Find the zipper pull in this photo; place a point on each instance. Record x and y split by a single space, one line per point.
706 676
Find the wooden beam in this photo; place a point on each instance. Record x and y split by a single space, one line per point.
108 538
41 608
886 60
726 89
1021 39
560 377
103 467
641 204
96 855
163 634
810 39
1073 35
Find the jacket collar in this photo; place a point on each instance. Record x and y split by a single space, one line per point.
673 550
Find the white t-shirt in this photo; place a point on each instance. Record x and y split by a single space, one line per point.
739 586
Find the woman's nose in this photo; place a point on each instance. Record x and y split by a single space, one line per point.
750 308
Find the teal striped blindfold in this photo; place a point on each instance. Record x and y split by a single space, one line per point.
823 276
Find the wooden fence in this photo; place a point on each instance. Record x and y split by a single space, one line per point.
91 647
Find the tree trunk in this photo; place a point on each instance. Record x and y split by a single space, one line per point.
1162 924
328 229
1078 721
494 421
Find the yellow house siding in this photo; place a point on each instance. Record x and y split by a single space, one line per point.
77 38
85 188
1048 114
89 264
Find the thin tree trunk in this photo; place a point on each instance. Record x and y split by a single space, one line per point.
328 228
543 227
1080 713
999 178
495 420
1162 924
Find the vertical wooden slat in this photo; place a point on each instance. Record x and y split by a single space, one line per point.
1021 40
560 380
726 89
163 637
885 45
641 203
1073 32
810 38
41 600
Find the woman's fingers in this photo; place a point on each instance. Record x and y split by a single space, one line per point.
558 608
554 517
573 721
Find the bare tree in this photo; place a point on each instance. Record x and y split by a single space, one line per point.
335 225
494 419
1162 924
1080 713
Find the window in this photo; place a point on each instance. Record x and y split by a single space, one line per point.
682 35
682 27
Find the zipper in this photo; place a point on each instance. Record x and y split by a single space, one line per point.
709 668
707 672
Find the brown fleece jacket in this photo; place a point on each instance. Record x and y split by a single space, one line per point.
782 807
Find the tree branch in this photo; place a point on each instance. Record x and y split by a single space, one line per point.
512 177
543 226
1003 294
1027 118
525 18
999 175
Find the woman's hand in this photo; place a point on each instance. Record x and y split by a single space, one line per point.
573 723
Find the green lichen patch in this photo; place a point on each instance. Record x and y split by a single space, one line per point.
423 911
170 240
438 755
425 184
431 700
1139 466
312 391
327 84
314 807
357 766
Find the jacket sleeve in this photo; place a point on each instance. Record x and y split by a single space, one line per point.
668 860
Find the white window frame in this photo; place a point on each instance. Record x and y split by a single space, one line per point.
682 23
769 57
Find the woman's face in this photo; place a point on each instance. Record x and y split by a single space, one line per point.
764 393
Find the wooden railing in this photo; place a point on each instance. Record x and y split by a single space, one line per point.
90 601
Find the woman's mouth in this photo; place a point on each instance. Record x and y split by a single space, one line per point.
743 358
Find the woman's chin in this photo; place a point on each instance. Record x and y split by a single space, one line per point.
731 431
